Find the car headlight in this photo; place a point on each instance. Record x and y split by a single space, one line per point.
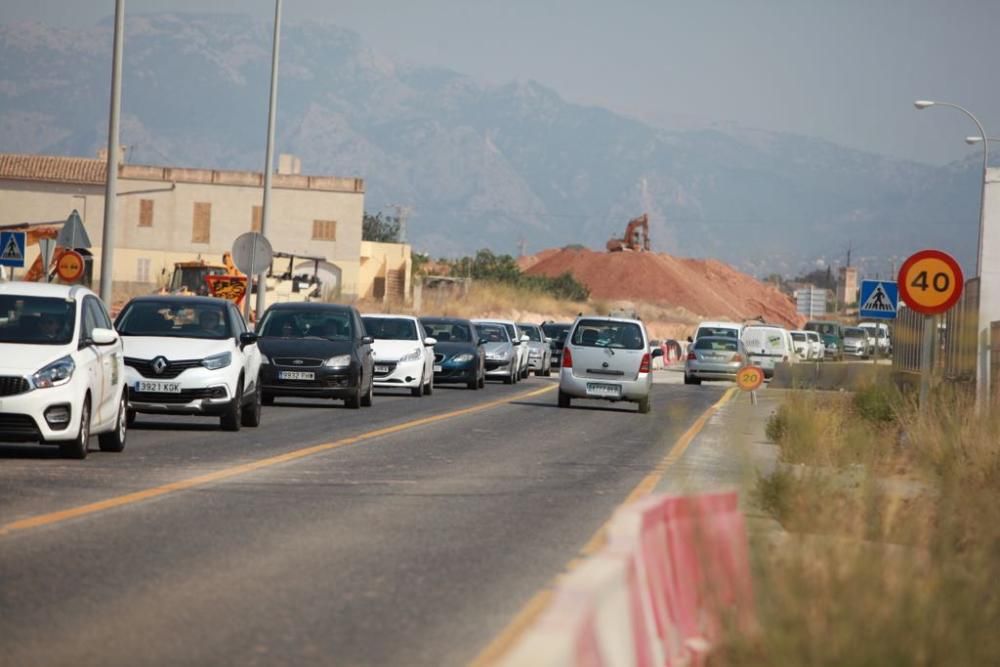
411 356
535 354
57 373
462 358
217 361
339 361
264 359
499 356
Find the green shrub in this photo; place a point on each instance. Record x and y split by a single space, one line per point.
877 403
777 425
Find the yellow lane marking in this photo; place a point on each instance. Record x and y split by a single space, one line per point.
504 641
225 473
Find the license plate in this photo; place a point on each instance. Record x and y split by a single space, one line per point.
158 387
381 369
296 375
595 389
437 369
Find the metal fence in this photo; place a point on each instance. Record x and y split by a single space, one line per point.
907 337
995 362
960 333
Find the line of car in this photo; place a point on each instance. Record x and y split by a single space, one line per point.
68 373
719 349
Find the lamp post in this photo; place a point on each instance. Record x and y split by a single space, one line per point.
265 216
111 179
985 298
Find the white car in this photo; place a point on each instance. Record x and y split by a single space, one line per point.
191 355
816 349
803 346
607 358
61 369
520 342
403 352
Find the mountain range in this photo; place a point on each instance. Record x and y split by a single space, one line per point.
478 165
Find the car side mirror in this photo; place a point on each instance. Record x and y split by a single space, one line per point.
430 342
548 340
247 338
101 336
690 340
657 353
525 338
482 341
367 340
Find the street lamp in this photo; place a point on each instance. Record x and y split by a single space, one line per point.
972 141
984 307
925 104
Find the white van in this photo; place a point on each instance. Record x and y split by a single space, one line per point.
882 336
768 345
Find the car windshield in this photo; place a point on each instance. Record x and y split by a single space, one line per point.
494 333
717 344
825 328
512 331
328 323
390 328
724 332
36 320
174 320
605 333
531 332
448 332
854 333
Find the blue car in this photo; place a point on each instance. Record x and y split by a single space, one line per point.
458 352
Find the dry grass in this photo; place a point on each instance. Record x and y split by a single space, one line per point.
881 568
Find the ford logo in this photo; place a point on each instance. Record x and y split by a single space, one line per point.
297 362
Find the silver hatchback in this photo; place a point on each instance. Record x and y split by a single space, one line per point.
607 358
714 358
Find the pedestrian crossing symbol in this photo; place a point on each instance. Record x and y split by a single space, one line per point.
879 299
12 249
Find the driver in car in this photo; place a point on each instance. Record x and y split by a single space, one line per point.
50 326
209 321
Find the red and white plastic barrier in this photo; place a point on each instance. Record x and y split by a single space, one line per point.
674 569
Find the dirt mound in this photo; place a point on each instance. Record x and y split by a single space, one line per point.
709 288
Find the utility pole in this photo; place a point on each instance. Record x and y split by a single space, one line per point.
272 107
111 180
522 247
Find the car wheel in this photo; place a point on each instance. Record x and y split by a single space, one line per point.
482 380
564 399
251 416
114 441
77 449
130 416
418 391
526 373
509 379
266 398
233 416
366 400
474 383
644 405
429 387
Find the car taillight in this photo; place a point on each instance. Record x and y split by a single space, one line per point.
567 358
644 366
737 357
692 356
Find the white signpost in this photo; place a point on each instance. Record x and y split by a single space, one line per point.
252 254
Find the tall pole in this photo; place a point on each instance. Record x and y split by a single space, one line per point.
983 324
111 181
272 108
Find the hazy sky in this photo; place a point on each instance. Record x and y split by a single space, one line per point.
844 70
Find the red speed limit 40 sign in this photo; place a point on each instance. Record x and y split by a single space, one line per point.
930 282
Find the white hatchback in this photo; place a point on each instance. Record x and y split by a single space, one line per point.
607 358
191 355
61 369
404 354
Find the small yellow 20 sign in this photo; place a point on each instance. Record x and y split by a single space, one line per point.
750 378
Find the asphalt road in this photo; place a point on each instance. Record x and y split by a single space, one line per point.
415 543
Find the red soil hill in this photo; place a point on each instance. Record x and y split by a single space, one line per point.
709 288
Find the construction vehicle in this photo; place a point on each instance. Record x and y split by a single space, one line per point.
636 236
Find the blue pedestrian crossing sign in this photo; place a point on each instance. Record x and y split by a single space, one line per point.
12 248
879 299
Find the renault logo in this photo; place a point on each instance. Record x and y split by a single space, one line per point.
159 365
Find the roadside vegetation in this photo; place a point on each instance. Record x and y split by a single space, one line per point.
893 543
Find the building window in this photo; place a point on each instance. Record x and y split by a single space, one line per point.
142 270
324 230
145 212
201 227
256 219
